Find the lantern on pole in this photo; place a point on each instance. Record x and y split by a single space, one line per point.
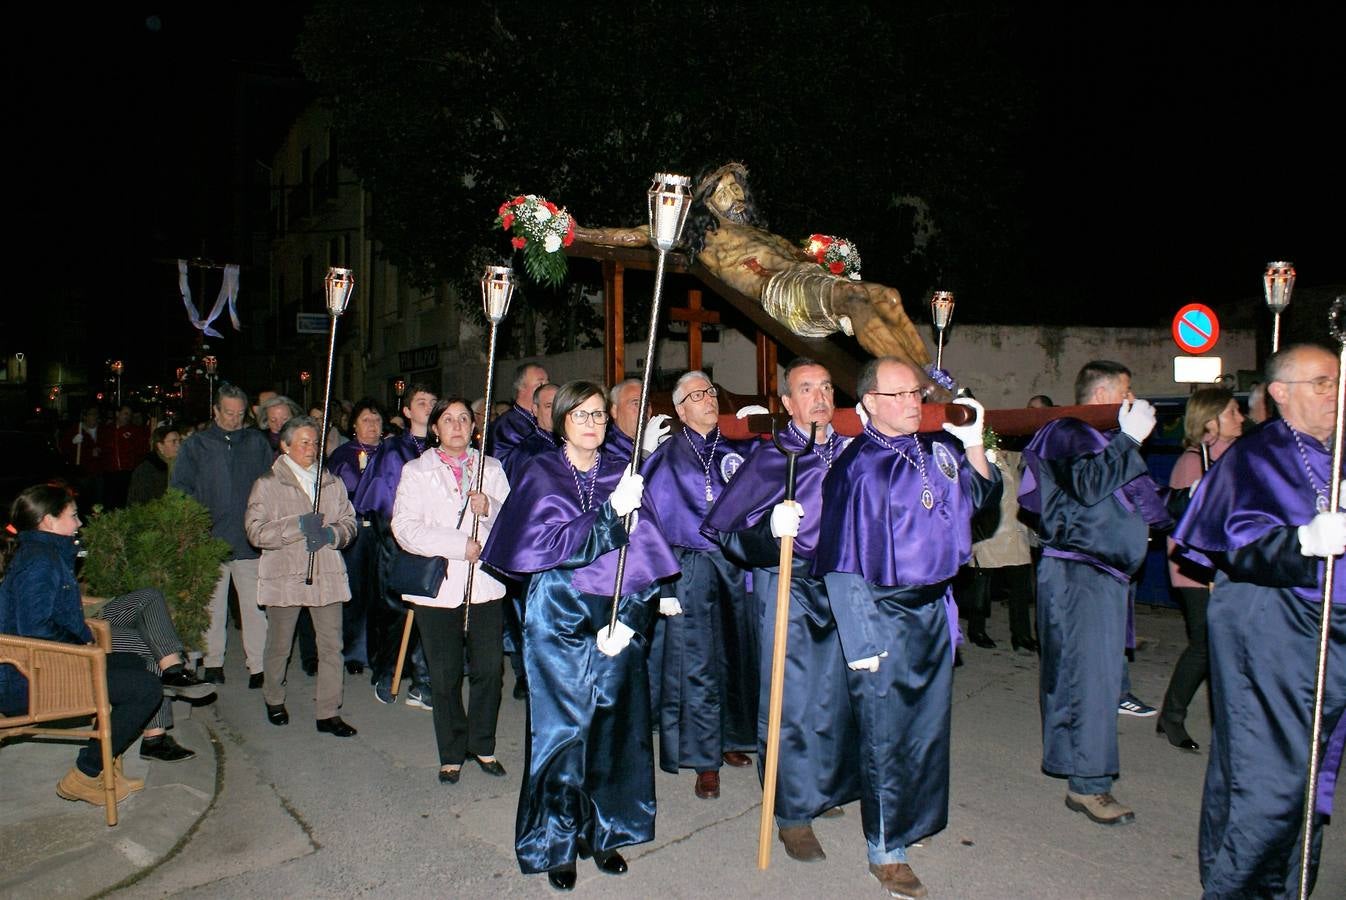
212 366
941 313
117 367
1278 283
339 285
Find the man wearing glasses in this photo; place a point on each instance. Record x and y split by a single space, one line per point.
706 655
819 760
1261 517
1097 503
896 526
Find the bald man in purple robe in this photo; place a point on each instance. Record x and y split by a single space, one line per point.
896 526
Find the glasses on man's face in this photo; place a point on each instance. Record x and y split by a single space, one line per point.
698 396
584 416
1323 384
916 394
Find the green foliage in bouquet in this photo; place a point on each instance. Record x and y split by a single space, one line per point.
164 544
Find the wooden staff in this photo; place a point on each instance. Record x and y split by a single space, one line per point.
787 546
1337 327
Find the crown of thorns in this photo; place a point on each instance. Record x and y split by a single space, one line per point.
707 184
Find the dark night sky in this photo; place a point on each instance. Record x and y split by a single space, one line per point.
1172 155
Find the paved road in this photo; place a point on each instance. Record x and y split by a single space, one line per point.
301 814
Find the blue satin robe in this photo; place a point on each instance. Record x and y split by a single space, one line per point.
707 659
819 761
1262 628
589 784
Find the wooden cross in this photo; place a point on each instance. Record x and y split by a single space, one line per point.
695 317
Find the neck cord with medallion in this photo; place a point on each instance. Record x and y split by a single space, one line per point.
827 442
417 442
586 496
707 461
927 496
1320 491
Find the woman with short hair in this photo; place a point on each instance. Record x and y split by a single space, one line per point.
149 481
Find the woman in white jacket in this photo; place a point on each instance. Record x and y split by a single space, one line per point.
432 516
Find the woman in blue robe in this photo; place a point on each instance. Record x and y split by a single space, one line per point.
589 788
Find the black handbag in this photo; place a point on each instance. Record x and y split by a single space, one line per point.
419 576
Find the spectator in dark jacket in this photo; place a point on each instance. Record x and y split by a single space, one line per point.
150 478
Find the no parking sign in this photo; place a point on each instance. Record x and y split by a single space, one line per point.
1195 328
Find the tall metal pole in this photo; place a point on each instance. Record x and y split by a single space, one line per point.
669 202
1337 325
339 283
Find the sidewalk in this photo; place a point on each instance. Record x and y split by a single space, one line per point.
52 847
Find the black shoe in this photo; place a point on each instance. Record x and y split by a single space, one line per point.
1027 645
521 693
178 682
354 667
256 680
610 863
1177 735
164 749
958 659
310 667
562 877
450 776
335 726
214 675
982 640
277 715
491 767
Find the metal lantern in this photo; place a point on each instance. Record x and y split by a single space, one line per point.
670 198
497 289
941 313
212 365
340 284
1278 283
399 385
305 376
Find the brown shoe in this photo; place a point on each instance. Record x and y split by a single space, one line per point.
801 843
75 785
736 759
1102 808
123 780
898 880
708 785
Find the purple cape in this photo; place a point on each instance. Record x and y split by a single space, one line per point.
378 487
1064 438
760 485
1257 485
508 431
618 443
676 481
344 463
542 525
536 444
875 523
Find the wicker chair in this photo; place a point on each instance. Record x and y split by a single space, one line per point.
65 681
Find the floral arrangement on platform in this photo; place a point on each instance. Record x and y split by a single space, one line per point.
835 254
539 230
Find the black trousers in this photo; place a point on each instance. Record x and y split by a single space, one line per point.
1014 585
362 572
134 695
458 732
1193 666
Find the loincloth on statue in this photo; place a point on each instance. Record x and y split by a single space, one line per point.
800 298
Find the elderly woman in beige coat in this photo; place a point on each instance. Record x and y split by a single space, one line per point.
281 523
432 516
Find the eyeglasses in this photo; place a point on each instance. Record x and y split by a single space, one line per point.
584 416
1323 384
917 394
698 396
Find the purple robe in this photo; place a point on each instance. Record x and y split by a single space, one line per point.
536 444
378 487
508 431
618 442
680 474
542 525
760 485
344 463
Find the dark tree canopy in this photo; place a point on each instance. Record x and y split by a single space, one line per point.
896 129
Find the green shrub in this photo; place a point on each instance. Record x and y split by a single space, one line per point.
164 544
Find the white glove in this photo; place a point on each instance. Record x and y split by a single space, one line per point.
753 410
614 643
785 518
1136 419
78 438
669 606
969 435
862 413
628 492
1191 488
1325 536
656 429
868 664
